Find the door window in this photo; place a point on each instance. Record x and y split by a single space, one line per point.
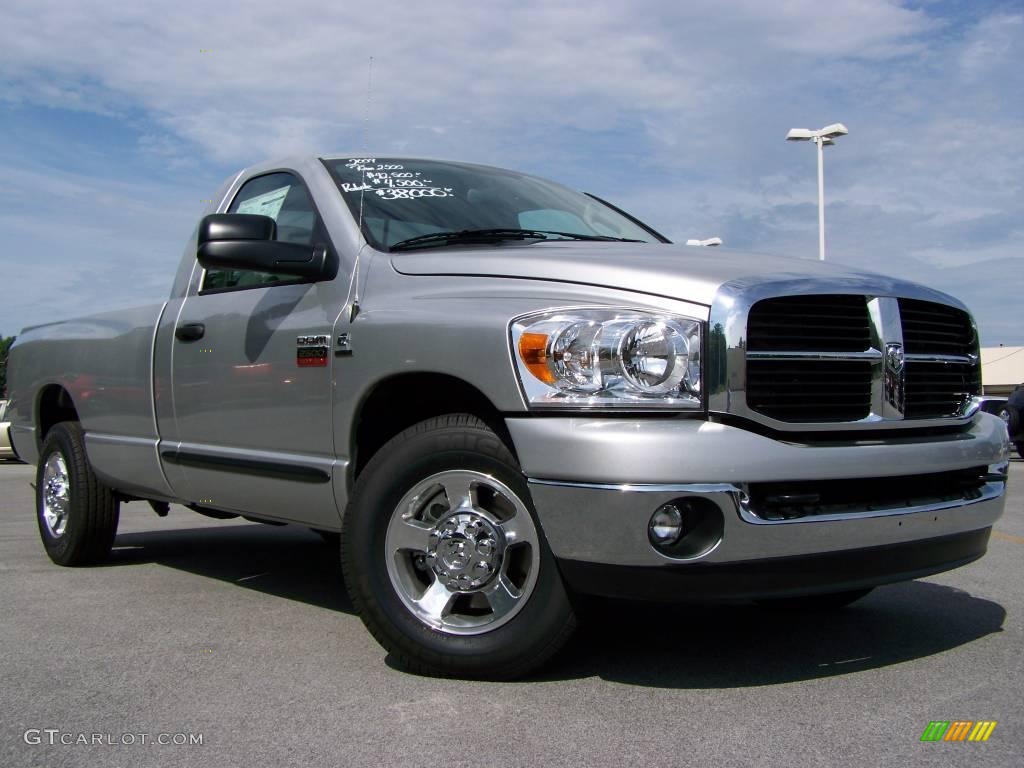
284 198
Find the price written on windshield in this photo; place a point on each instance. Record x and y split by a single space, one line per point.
391 181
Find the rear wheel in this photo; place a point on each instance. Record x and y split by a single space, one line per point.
444 559
76 513
831 601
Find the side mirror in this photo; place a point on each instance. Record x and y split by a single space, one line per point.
246 241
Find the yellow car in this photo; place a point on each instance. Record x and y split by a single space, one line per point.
6 452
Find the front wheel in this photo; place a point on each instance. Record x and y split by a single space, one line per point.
444 559
76 513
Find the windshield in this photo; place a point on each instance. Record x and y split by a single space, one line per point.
398 199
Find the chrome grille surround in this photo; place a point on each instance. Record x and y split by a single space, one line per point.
727 354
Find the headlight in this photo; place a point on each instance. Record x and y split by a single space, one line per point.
623 358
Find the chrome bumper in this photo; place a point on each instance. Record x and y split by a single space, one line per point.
608 524
596 482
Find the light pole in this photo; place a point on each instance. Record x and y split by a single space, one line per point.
822 138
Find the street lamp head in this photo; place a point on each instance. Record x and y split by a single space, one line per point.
826 134
800 134
833 131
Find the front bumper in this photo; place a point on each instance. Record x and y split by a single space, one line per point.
779 577
595 483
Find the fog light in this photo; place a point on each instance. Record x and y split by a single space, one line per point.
666 526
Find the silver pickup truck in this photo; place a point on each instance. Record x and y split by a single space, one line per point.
502 393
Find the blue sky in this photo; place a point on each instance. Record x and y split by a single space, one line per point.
117 122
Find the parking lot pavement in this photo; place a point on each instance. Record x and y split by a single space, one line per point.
241 635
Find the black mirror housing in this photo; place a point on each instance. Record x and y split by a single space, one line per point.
246 241
236 226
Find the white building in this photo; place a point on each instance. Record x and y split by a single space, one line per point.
1002 369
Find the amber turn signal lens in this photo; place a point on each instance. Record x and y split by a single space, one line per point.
533 349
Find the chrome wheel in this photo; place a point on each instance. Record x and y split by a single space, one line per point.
56 494
462 552
443 559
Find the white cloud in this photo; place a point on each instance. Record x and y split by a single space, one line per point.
995 43
675 110
95 244
577 64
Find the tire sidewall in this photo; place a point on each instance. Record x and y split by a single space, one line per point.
386 479
58 440
92 514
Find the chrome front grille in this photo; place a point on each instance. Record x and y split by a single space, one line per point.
936 329
827 323
940 391
810 390
937 390
830 358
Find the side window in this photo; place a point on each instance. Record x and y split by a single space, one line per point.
284 198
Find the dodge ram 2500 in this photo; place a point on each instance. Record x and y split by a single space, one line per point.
499 392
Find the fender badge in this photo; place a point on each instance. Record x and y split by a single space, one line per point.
312 351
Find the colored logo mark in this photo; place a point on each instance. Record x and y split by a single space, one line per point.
958 730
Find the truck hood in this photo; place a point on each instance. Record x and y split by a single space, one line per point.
674 271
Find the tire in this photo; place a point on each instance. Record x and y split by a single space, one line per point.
1020 448
831 601
444 559
77 515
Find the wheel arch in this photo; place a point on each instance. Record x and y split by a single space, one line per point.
400 401
53 405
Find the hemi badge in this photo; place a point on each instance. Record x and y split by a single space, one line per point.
312 351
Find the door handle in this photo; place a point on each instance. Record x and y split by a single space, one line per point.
190 332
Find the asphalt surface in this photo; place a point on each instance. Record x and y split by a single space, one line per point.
241 634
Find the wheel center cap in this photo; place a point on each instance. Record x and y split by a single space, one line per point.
54 488
465 551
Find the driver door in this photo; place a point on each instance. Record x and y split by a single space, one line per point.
251 404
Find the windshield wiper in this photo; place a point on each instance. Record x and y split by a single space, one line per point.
465 236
